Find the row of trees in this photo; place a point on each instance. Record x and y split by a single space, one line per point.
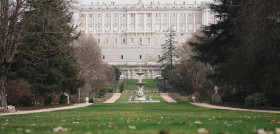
240 53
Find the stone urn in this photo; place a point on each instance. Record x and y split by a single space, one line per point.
216 97
87 99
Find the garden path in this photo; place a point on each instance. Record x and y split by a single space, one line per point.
113 98
48 110
230 108
167 98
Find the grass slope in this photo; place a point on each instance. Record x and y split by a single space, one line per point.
129 84
175 118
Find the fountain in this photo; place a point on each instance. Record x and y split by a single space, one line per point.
140 93
140 97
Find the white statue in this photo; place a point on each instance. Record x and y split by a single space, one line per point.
68 102
193 98
140 91
216 89
151 98
130 97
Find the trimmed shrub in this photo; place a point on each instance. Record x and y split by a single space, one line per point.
256 100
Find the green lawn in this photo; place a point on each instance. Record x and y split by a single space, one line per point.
118 118
129 84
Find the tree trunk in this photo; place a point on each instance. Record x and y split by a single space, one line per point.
3 79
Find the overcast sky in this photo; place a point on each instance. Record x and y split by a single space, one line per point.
145 1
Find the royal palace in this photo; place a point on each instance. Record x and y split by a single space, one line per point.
131 35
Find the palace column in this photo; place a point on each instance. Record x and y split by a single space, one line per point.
194 25
136 22
119 22
149 74
186 22
153 22
145 23
177 21
94 27
86 25
161 21
102 22
127 22
127 75
169 20
111 23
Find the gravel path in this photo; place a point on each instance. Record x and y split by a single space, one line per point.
48 110
230 108
113 98
167 98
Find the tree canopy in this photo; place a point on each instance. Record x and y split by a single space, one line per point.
243 47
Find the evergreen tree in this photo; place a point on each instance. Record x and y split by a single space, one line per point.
242 48
47 60
168 49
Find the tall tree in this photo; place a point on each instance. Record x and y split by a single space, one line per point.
96 73
243 47
45 56
13 21
218 42
168 49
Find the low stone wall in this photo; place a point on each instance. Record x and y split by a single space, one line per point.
146 91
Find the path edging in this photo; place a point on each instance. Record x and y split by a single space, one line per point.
47 110
230 108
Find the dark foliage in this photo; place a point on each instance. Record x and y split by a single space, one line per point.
243 48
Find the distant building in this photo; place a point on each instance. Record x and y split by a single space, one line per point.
131 35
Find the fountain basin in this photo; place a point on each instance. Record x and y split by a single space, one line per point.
141 101
140 83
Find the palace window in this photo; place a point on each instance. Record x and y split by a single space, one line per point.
90 15
99 40
140 41
99 15
103 57
121 56
82 15
90 28
116 40
149 40
98 28
140 56
132 15
123 15
149 15
157 15
123 40
190 28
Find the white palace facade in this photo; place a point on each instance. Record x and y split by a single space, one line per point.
131 35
